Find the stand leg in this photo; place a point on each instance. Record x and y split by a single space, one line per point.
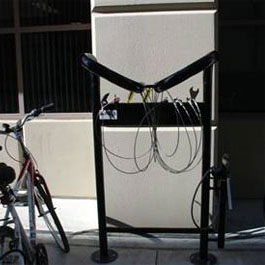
222 214
203 258
107 257
196 259
103 255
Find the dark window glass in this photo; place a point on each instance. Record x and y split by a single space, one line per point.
251 9
52 70
6 13
8 80
242 53
50 12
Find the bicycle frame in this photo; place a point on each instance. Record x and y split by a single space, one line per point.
37 191
21 240
27 176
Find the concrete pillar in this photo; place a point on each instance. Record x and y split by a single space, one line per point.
147 40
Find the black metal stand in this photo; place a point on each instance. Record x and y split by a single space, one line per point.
222 176
203 257
107 257
222 213
205 64
104 255
197 259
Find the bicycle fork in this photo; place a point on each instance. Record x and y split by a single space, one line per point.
31 207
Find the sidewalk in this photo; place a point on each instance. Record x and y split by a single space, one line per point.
79 219
161 249
135 250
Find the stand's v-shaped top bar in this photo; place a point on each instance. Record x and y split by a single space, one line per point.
186 72
90 63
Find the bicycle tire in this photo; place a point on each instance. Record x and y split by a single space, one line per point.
13 257
41 255
50 217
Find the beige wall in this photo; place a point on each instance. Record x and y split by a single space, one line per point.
10 152
141 5
147 45
102 3
64 153
155 197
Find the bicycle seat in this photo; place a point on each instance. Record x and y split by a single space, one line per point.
7 174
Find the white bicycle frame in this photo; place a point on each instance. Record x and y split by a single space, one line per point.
21 240
27 176
29 242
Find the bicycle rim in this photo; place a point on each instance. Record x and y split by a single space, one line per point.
50 217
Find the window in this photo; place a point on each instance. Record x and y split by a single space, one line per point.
6 14
8 78
54 12
41 42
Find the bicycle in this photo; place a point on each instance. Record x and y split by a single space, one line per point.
37 190
21 249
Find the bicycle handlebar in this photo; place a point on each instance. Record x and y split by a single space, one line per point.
89 62
20 123
37 112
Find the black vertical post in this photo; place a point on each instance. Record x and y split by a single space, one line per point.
223 199
104 255
206 163
203 256
222 212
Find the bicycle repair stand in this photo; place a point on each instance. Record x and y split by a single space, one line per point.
205 64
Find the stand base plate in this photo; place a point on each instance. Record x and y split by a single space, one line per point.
196 259
111 256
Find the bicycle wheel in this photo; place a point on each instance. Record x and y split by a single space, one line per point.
47 211
13 257
41 255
